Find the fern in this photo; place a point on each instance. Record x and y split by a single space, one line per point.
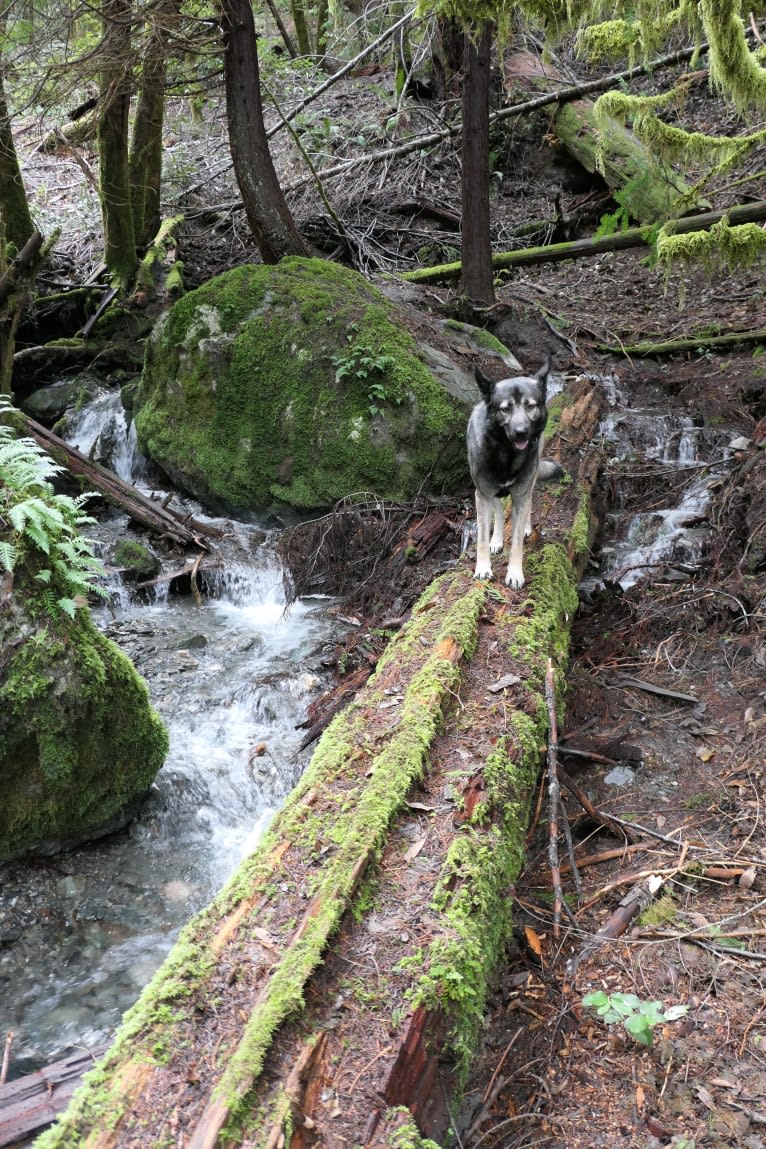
43 527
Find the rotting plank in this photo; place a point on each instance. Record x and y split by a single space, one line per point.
239 1039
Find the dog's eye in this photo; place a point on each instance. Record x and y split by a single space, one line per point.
504 406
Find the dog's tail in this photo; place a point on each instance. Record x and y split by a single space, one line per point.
548 471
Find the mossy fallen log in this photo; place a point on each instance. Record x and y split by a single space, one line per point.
334 990
631 237
690 343
649 190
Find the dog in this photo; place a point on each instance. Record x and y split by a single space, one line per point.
505 444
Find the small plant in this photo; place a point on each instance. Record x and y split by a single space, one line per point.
42 528
638 1017
363 363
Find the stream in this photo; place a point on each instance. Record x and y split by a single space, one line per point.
82 932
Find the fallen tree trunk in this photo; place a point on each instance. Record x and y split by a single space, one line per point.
691 343
143 510
583 248
334 990
32 1102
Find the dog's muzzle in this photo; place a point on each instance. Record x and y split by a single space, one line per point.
520 442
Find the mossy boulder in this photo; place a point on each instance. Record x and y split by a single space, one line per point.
297 384
79 741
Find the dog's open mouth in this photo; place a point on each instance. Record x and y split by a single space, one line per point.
520 443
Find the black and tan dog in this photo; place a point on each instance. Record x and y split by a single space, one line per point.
505 444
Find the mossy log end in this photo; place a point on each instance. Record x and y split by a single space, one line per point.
350 956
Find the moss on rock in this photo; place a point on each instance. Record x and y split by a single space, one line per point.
298 384
79 740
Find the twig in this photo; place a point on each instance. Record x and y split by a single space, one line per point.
554 799
6 1056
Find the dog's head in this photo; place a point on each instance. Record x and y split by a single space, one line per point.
517 406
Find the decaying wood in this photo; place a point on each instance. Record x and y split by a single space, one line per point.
652 192
654 688
630 906
15 288
632 237
554 800
30 1103
149 513
525 108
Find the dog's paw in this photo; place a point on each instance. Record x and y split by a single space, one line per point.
495 546
515 578
483 572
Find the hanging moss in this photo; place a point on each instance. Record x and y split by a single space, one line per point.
734 69
721 246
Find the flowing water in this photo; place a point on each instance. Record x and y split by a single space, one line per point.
674 533
82 932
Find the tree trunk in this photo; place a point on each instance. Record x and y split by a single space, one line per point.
146 151
265 206
478 281
298 13
14 208
114 176
15 288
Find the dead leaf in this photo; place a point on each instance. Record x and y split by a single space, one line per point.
506 680
533 941
706 1097
705 753
414 850
420 806
747 878
640 1097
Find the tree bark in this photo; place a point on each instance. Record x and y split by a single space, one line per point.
15 286
114 176
478 281
14 207
265 206
145 162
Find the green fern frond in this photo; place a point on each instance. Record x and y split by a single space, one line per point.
8 555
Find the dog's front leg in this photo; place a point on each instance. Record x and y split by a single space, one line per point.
483 524
522 506
498 513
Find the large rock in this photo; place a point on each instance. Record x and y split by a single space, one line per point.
296 384
79 740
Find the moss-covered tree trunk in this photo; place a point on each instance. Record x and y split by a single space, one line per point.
15 215
265 206
478 282
114 173
145 164
298 13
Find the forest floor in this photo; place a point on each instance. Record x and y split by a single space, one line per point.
548 1072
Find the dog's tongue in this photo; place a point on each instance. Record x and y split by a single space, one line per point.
520 444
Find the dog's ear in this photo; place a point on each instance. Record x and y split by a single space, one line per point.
542 374
485 385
